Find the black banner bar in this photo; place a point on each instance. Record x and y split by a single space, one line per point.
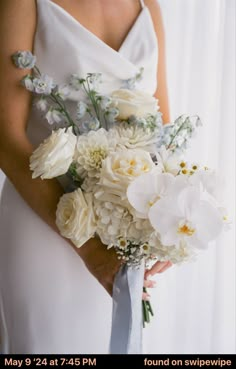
107 361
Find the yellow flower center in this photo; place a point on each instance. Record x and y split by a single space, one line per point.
186 230
145 247
182 164
122 243
97 155
152 202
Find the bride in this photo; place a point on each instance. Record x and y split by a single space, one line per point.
55 298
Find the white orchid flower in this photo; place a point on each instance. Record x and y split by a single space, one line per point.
146 189
186 217
208 180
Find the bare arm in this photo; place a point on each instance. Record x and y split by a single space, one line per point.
161 93
17 28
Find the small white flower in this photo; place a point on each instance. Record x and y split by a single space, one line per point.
54 156
82 109
111 114
145 248
75 82
104 102
133 102
27 82
186 217
43 85
24 59
41 104
94 79
63 91
92 124
75 217
168 160
122 243
54 116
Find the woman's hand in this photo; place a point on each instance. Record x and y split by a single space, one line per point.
102 263
158 267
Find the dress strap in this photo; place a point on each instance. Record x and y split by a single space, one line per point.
142 3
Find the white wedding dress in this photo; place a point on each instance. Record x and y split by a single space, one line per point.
49 302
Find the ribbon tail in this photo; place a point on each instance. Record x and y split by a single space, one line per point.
127 320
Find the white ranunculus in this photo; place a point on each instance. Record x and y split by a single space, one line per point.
54 156
186 217
132 136
148 188
75 217
120 168
91 149
133 102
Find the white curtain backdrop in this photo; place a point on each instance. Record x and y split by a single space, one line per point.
195 303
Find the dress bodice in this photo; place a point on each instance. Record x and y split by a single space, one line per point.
63 46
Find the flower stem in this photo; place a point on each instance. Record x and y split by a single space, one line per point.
63 107
147 309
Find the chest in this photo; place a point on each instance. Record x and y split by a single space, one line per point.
108 20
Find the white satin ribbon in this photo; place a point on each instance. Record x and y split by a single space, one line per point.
127 320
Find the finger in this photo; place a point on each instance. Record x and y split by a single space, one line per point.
158 267
167 266
148 283
145 296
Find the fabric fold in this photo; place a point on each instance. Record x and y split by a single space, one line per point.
127 320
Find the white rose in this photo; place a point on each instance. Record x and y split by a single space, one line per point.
133 102
53 157
120 168
75 217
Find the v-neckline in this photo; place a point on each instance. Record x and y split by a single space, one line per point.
95 37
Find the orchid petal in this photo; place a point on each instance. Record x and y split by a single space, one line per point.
208 221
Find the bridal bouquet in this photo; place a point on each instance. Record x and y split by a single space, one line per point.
130 183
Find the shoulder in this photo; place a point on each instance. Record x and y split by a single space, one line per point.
18 11
155 11
16 7
17 20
